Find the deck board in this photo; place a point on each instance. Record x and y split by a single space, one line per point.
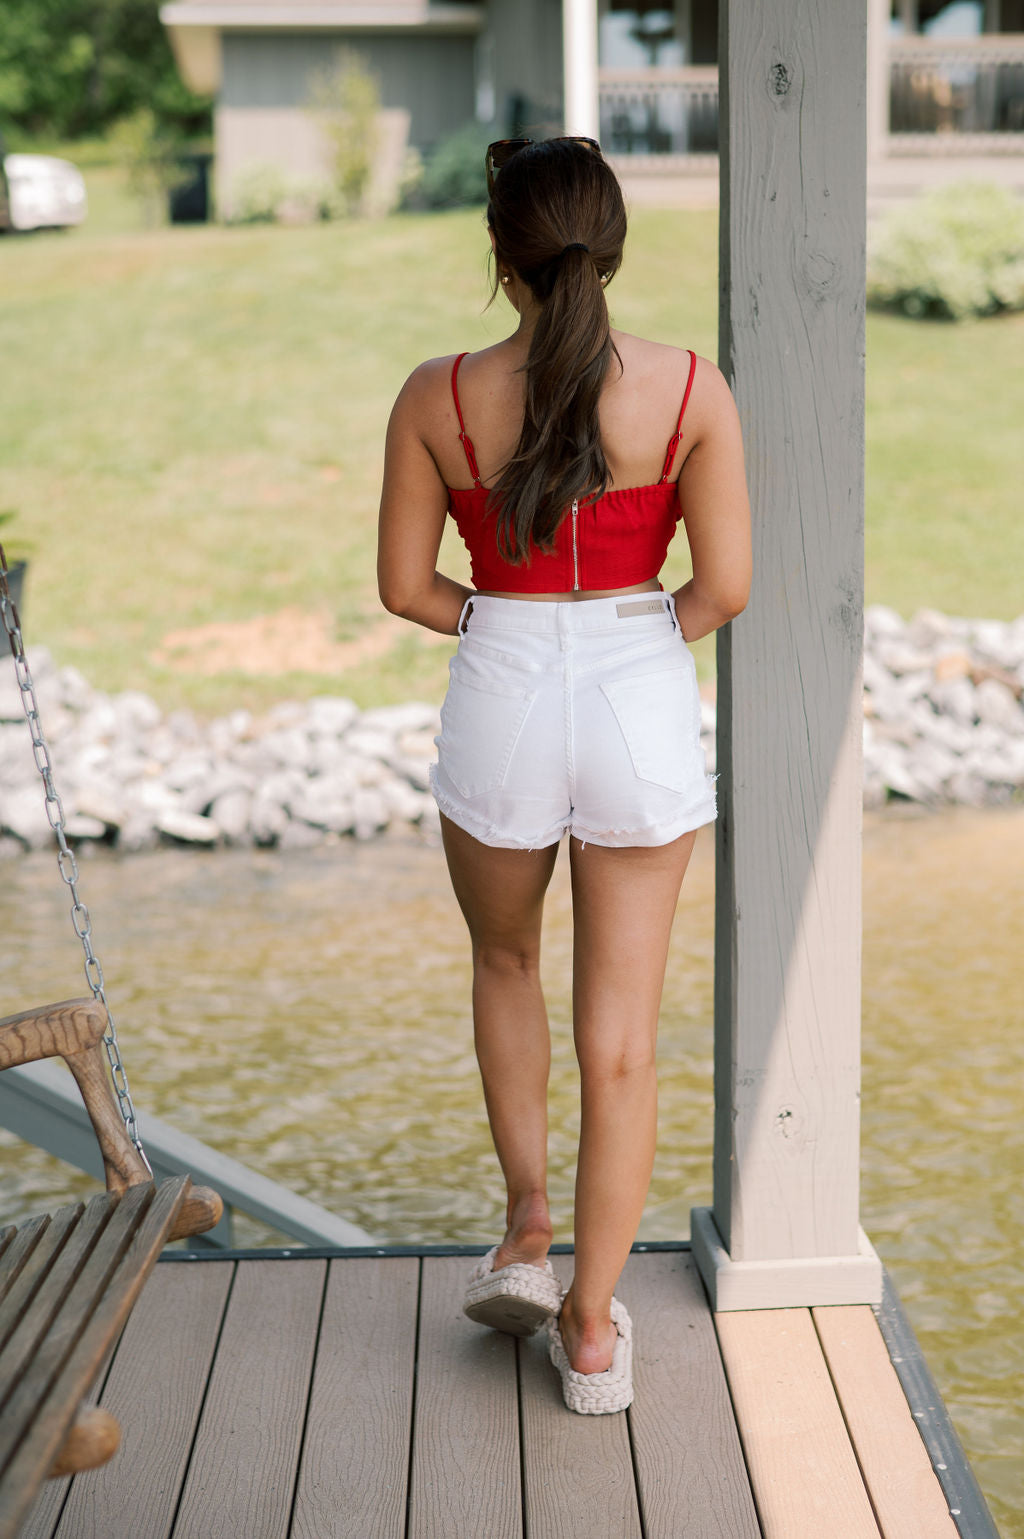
329 1398
155 1388
465 1443
355 1464
907 1499
689 1462
803 1471
242 1475
577 1470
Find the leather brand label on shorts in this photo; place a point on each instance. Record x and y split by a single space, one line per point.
640 607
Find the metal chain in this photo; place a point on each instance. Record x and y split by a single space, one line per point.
66 862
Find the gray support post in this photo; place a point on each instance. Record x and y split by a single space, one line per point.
784 1228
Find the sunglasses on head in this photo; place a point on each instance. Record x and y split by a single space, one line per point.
502 150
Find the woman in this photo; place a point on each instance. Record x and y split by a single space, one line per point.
566 455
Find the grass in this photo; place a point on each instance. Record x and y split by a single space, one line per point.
191 430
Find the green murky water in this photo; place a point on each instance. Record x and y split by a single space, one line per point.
309 1015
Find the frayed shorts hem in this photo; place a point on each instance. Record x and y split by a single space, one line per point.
611 839
646 838
487 833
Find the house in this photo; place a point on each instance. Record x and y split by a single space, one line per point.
945 82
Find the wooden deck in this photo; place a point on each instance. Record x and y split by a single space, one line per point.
321 1397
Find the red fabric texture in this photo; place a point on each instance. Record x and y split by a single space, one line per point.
621 539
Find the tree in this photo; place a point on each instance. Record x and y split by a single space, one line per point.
69 68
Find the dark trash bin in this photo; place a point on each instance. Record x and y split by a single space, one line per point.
189 202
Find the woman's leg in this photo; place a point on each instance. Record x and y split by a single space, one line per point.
501 894
624 901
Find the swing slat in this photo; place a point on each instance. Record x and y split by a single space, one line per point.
84 1290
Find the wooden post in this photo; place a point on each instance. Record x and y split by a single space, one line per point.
784 1227
579 62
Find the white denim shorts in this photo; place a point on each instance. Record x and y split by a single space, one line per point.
579 717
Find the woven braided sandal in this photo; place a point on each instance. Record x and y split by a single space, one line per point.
597 1394
518 1298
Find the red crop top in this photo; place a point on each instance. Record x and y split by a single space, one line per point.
617 541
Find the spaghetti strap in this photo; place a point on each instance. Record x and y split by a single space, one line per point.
673 443
464 438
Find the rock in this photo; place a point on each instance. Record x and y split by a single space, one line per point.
954 664
899 657
299 836
23 814
996 706
137 832
323 805
402 801
415 771
135 711
369 742
930 630
268 819
955 698
397 719
79 826
331 714
287 746
369 814
231 812
76 693
881 622
187 827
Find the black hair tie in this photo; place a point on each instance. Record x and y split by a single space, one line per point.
574 245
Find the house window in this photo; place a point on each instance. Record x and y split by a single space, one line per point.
638 36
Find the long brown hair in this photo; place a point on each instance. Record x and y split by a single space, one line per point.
559 223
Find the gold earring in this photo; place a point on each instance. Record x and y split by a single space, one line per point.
506 277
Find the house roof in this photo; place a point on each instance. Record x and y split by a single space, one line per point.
194 27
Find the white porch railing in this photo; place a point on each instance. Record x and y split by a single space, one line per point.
957 94
662 112
947 96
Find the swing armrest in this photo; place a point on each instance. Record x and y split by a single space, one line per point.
55 1031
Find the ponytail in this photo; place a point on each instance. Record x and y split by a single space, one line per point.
559 223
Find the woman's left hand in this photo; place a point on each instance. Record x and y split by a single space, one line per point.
413 508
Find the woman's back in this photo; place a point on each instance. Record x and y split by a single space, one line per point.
639 411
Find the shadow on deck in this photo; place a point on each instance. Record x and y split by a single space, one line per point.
298 1396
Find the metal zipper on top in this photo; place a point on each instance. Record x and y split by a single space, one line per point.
575 548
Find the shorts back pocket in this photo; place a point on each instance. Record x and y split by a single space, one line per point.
481 721
659 717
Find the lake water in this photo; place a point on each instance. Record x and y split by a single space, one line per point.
309 1014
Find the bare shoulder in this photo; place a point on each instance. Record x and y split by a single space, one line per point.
663 366
427 381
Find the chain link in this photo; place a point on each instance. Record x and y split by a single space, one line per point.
66 862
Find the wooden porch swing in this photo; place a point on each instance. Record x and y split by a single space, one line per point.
68 1280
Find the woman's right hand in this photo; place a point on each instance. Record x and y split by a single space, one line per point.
715 509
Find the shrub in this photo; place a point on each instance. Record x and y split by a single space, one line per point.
454 175
150 155
954 252
257 194
346 101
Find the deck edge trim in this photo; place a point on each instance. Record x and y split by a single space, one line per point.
967 1506
341 1253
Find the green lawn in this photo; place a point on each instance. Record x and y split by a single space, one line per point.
191 429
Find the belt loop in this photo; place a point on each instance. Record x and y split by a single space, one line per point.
670 606
467 610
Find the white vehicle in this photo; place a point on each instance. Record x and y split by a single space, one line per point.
43 192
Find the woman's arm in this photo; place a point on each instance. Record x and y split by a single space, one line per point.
413 507
716 511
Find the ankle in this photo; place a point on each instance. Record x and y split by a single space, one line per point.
528 1232
588 1323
